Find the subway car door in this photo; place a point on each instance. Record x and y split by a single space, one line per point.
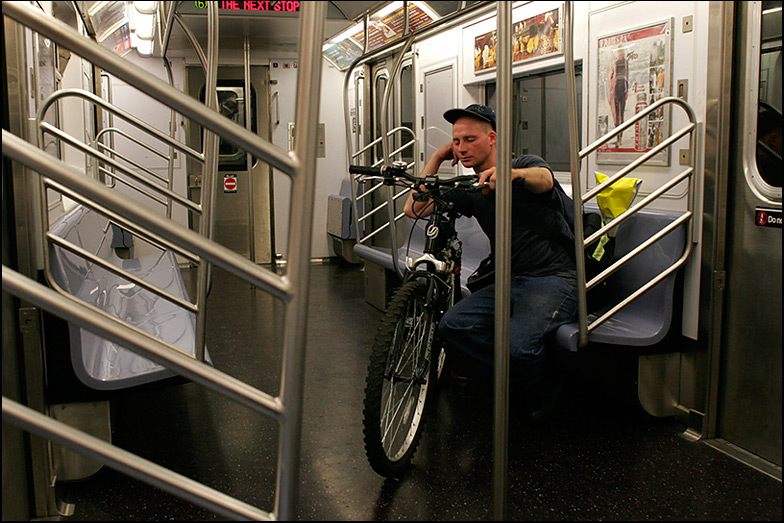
749 398
240 198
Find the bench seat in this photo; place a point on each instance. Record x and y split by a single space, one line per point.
643 322
98 363
475 247
646 320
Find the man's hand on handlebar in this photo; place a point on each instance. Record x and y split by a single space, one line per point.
487 177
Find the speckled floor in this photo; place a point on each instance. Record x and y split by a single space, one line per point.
600 458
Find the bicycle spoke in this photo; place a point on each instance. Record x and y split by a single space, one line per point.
399 380
405 381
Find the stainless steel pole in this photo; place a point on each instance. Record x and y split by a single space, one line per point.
209 177
311 37
503 263
574 163
248 157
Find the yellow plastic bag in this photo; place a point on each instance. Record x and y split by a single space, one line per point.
616 198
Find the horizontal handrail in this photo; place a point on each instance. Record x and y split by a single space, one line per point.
140 190
637 250
122 133
45 127
148 236
143 343
116 111
379 184
397 196
581 242
357 197
114 154
390 133
666 272
393 153
370 191
149 84
639 116
639 205
21 151
639 161
130 464
122 273
381 228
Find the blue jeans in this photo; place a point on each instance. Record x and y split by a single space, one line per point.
539 305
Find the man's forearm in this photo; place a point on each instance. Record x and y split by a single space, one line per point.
536 179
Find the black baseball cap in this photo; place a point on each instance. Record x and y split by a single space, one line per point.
479 111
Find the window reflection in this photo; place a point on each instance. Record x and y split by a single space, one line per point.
769 145
540 124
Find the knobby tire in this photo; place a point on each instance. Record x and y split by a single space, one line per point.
399 377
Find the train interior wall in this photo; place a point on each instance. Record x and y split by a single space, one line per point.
658 481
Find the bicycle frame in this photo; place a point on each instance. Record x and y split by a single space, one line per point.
441 258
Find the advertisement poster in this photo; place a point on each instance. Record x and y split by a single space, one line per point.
532 38
633 73
484 52
386 28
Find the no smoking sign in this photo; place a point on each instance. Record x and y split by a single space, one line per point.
767 217
229 183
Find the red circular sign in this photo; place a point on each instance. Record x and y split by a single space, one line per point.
229 184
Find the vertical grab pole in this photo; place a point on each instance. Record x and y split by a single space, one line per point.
170 76
503 263
311 36
574 163
349 148
209 176
173 134
385 150
248 157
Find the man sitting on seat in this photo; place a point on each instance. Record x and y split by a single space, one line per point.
543 286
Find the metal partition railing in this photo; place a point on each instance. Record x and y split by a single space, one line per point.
150 184
580 242
401 46
686 216
363 197
292 289
109 149
94 149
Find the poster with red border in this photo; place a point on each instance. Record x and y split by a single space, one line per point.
633 72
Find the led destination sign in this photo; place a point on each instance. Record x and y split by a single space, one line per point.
266 6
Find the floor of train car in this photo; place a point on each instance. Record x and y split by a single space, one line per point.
600 457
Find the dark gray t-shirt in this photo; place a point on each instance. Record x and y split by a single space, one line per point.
533 254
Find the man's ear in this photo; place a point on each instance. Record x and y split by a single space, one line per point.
493 137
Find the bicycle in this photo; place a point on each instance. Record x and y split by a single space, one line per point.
401 373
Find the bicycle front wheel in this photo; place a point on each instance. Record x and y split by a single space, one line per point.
399 375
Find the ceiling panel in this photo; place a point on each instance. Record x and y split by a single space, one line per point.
267 32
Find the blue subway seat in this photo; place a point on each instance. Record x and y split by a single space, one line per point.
475 246
646 320
643 322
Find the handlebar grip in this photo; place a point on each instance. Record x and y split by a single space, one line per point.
361 169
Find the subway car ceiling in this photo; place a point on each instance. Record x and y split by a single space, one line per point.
269 25
270 30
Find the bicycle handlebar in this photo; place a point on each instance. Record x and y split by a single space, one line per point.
397 171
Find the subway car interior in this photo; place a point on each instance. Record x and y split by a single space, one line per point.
215 307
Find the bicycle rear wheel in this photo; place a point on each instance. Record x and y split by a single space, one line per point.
398 380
